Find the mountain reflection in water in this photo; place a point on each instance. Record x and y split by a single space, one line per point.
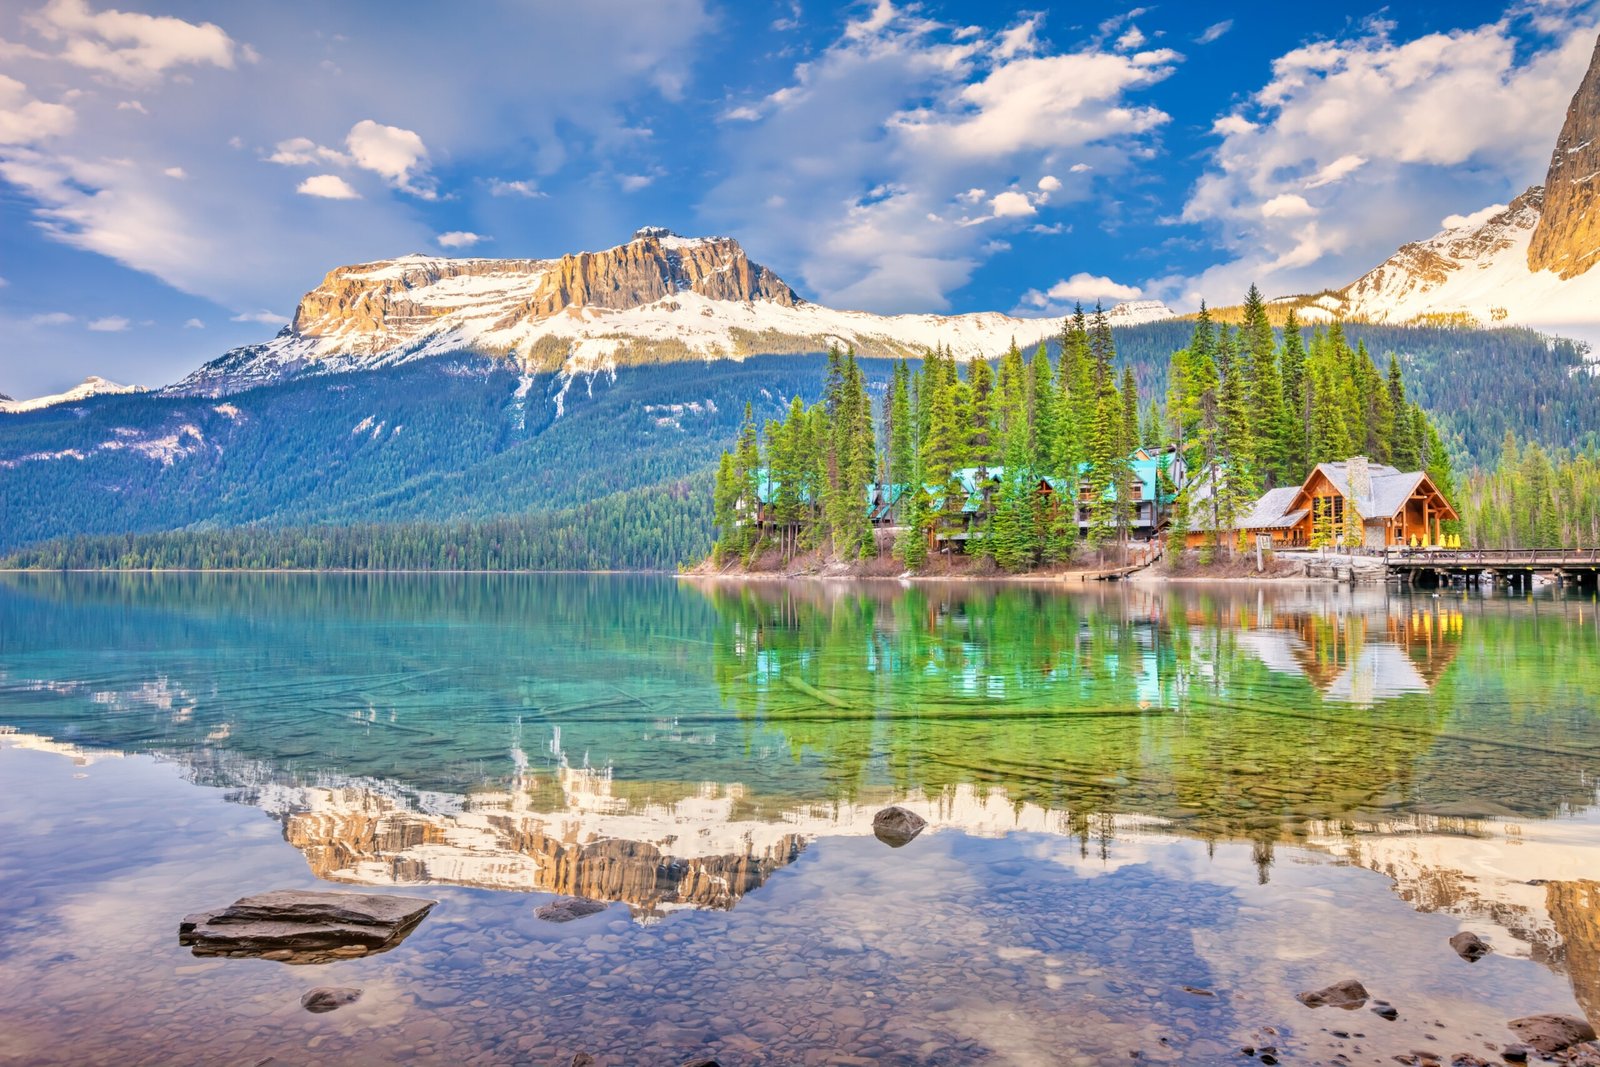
674 745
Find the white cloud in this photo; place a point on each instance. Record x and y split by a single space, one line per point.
397 154
1133 38
1011 205
1051 230
304 152
632 183
881 142
327 186
175 172
1049 183
742 113
1227 125
1446 119
1081 288
193 324
132 105
25 120
1473 220
523 188
52 318
1214 31
265 318
109 324
459 239
127 46
1336 171
542 91
1287 206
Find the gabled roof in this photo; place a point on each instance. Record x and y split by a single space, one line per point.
1391 488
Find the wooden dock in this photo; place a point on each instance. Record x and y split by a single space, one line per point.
1512 566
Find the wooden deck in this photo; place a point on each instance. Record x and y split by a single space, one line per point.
1516 566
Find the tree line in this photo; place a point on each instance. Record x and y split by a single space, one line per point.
1534 498
657 528
1247 408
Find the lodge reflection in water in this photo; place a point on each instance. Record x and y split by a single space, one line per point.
685 756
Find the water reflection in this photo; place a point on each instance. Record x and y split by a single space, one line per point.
673 746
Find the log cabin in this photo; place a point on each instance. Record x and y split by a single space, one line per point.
1357 502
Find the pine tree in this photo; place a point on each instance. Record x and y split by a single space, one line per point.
901 429
1267 429
1044 424
1297 410
983 436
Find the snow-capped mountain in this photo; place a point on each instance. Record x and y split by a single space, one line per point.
656 298
90 386
1530 262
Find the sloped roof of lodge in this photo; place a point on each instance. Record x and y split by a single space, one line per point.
1391 489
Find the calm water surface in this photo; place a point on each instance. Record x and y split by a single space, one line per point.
1133 794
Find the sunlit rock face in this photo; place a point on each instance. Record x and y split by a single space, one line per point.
656 298
1567 240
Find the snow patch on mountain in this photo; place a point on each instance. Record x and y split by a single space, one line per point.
657 298
90 386
1477 270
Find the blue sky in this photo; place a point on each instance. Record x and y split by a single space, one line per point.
174 175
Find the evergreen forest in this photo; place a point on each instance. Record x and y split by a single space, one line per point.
1246 409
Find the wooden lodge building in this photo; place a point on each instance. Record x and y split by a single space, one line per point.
1394 508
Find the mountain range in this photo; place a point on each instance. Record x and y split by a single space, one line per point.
1531 261
428 388
656 298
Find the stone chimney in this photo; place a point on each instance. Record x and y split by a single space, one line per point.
1359 474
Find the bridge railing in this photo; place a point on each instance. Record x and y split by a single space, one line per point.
1491 557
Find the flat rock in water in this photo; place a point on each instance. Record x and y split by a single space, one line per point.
1348 994
1551 1033
329 998
895 826
1469 946
304 927
568 908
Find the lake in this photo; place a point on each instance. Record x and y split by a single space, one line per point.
1156 813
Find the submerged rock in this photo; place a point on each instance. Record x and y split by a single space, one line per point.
1469 946
295 926
566 909
1348 994
329 998
895 826
583 1059
1550 1032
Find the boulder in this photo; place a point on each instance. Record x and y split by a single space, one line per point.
896 827
1551 1033
1469 946
296 926
329 998
1348 994
565 909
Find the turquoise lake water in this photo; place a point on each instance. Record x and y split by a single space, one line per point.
1155 814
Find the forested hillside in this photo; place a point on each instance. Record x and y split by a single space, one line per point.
465 437
643 529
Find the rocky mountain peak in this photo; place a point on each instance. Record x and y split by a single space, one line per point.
1567 240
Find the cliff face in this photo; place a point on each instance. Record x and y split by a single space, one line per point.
389 302
1567 240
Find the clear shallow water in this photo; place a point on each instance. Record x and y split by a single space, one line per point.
1250 792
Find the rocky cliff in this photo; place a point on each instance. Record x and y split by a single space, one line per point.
1526 262
656 298
1567 240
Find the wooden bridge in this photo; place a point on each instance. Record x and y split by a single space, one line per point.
1513 566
